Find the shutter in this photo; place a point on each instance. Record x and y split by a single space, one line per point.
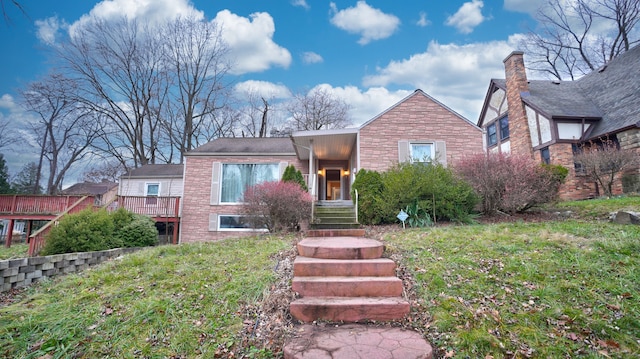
213 222
215 183
141 190
441 153
403 151
283 166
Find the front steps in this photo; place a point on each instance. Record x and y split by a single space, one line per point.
345 279
334 215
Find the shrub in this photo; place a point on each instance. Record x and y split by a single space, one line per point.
277 206
84 231
291 174
511 183
432 188
370 188
139 232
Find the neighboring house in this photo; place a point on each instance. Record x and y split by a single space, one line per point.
551 120
418 128
152 181
103 192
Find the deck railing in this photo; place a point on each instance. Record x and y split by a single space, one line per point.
30 204
162 207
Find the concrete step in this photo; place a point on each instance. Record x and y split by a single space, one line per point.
340 248
349 309
379 267
347 286
352 232
335 220
325 226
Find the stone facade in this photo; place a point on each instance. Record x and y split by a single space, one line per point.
18 273
197 210
418 118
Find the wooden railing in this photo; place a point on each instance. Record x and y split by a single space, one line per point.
30 204
158 207
37 239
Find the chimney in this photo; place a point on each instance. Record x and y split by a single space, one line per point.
517 88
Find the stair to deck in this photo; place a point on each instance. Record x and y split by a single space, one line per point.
334 215
345 279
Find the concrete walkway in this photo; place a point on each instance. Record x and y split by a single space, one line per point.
356 341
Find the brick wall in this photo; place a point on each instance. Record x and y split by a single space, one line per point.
18 273
417 118
517 84
196 200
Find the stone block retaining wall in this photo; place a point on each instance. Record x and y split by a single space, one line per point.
21 272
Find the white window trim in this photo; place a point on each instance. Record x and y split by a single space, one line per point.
432 152
222 180
146 188
220 229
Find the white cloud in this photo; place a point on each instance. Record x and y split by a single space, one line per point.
422 22
467 17
456 75
263 88
47 29
365 104
310 57
371 24
8 102
251 42
300 3
527 6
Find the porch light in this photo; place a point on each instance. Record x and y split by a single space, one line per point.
320 172
345 172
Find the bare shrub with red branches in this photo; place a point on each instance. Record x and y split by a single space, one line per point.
277 206
602 161
510 183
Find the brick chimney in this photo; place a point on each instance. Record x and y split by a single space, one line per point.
517 87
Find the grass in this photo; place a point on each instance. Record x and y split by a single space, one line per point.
18 250
601 208
555 289
169 301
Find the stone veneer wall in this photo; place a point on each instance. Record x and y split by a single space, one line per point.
196 200
18 273
417 118
630 140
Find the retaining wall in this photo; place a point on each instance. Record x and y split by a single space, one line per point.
18 273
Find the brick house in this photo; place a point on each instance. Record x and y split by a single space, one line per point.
551 120
418 128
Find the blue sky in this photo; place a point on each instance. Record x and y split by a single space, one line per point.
370 53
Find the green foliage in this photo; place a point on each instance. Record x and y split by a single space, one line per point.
5 186
84 231
370 188
26 181
91 230
558 173
432 188
291 174
418 216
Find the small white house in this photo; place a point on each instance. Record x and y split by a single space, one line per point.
153 181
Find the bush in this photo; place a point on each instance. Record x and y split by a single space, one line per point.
91 230
277 206
511 183
431 188
291 174
370 188
84 231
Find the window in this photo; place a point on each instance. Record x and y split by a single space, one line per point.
492 136
575 148
545 155
421 152
236 178
504 128
236 223
152 190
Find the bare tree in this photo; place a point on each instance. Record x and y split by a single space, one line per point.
254 116
105 171
5 12
64 130
319 110
120 69
195 52
602 161
577 37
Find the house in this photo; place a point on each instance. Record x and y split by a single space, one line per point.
163 180
103 192
418 128
551 120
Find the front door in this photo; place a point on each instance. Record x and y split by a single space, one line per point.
333 187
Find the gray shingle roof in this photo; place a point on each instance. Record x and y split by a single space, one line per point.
248 145
90 188
164 170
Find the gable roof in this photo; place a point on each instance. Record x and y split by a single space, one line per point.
609 94
245 145
155 171
90 188
416 93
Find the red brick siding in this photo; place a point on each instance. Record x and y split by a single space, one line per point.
516 80
417 118
196 201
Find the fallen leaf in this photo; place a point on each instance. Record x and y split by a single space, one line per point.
572 336
450 354
613 307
